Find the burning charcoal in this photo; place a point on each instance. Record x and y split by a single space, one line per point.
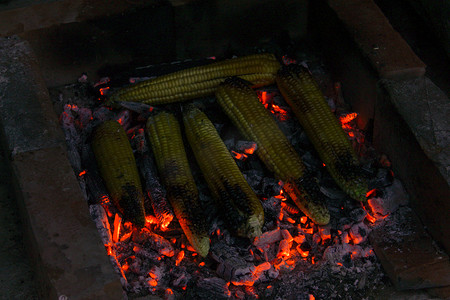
287 235
325 232
154 240
359 233
334 254
211 288
155 192
358 214
268 237
248 276
283 248
169 295
247 147
394 197
182 280
84 116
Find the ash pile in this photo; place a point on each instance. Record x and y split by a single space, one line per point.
292 259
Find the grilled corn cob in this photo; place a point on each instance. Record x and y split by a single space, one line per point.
241 104
166 142
236 200
118 169
302 93
260 69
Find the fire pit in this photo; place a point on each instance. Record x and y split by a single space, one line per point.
293 257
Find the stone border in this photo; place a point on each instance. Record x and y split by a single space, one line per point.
69 258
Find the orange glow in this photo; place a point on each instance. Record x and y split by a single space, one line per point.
348 117
280 217
151 219
179 258
269 286
239 156
190 248
281 113
371 218
117 225
356 239
303 254
371 193
125 267
308 230
339 264
167 218
120 121
153 282
169 292
303 219
82 173
290 220
283 250
251 150
264 99
125 236
351 134
313 260
104 200
104 90
218 232
202 264
311 297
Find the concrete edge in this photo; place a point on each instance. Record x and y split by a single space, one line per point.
50 200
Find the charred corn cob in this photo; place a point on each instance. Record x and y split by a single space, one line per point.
118 169
166 142
260 69
237 202
241 104
302 93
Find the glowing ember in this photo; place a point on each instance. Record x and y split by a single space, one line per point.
180 257
347 118
303 219
239 156
251 150
82 173
311 297
117 224
104 91
371 193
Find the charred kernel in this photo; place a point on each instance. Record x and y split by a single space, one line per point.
164 133
238 204
249 115
302 93
118 169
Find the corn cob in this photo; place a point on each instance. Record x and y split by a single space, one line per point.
241 104
236 200
166 142
260 69
302 93
118 169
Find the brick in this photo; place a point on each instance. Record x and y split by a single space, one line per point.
70 257
408 254
386 50
26 113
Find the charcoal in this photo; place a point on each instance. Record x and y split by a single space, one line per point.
358 214
137 107
253 178
100 217
124 118
229 143
268 237
359 233
154 241
211 288
382 179
155 191
242 146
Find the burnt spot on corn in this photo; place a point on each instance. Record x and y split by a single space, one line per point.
229 212
130 204
311 191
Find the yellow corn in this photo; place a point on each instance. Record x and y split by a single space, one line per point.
237 202
118 169
302 93
260 69
166 142
256 123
